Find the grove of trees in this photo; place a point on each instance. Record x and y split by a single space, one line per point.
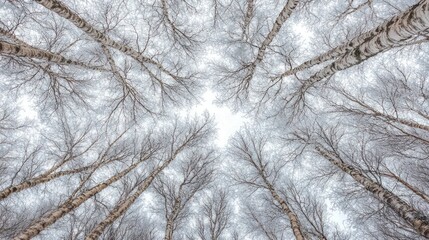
100 137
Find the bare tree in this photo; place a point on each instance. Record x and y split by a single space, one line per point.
181 139
252 151
328 147
65 12
147 151
408 24
242 75
196 172
216 216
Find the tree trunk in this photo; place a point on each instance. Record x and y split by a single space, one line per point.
65 12
51 217
12 37
293 218
415 218
415 190
169 228
39 180
32 52
377 114
400 28
250 8
357 41
122 207
281 18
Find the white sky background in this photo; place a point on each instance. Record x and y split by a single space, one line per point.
227 122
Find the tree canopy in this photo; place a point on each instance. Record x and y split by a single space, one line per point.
102 134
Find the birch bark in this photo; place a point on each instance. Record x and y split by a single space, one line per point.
280 20
418 220
123 207
357 41
51 217
41 179
62 10
32 52
293 218
401 27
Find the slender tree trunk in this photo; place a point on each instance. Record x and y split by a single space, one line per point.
357 41
418 220
250 8
12 36
415 190
167 17
169 227
32 52
122 207
51 217
62 10
281 18
39 180
293 218
168 234
377 114
400 28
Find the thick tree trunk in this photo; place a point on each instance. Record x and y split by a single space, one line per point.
400 28
65 12
363 38
418 220
32 52
51 217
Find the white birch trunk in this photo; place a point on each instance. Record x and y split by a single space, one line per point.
400 28
32 52
62 10
122 207
418 220
293 218
281 18
352 44
51 217
39 180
